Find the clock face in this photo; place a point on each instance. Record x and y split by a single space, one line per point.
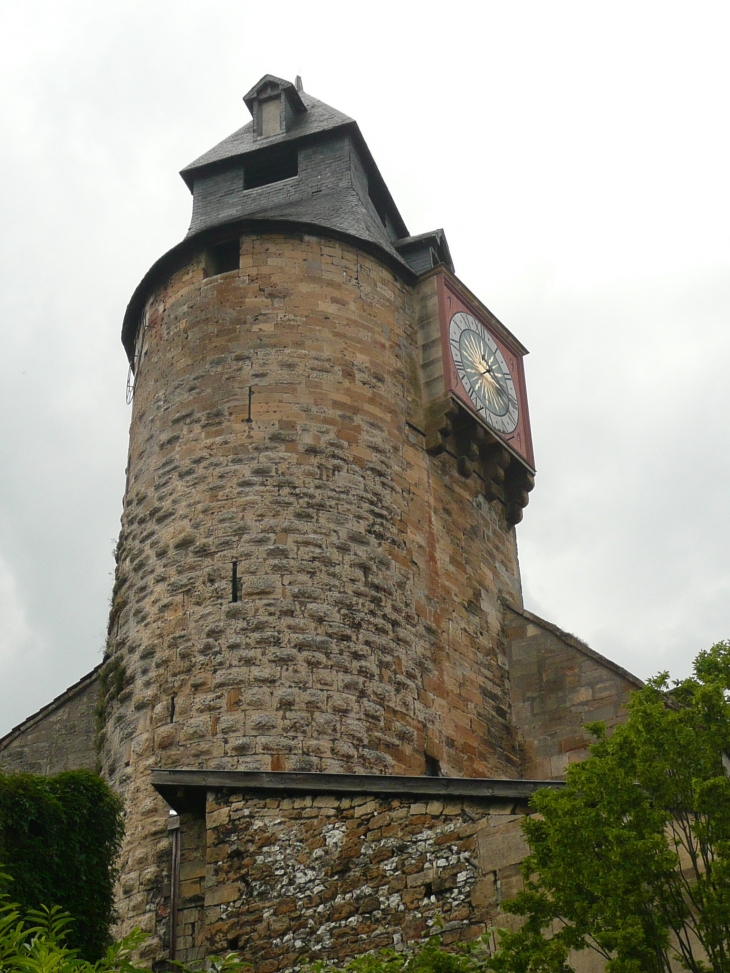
483 372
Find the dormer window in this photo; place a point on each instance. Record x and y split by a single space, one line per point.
275 105
270 116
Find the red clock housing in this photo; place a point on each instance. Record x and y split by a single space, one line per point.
452 298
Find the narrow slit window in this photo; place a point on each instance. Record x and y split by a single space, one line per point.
234 564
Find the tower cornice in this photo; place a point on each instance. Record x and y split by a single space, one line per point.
178 255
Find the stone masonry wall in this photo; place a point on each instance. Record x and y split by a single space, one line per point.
61 736
558 685
293 878
287 880
369 630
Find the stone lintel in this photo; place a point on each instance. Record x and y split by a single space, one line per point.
185 790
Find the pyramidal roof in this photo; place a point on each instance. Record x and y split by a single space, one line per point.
298 163
298 160
315 120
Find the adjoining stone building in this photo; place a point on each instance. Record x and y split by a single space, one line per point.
317 653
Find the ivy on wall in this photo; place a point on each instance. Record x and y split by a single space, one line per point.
112 678
59 838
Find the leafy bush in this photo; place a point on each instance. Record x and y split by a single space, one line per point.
59 837
429 957
35 941
632 858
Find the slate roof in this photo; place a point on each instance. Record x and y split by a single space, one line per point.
341 210
313 199
433 238
317 119
359 209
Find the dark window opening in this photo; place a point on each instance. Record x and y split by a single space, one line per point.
234 564
433 767
172 709
224 257
269 167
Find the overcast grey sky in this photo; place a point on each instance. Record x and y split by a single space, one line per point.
577 155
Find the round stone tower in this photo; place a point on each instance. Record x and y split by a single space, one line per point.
315 544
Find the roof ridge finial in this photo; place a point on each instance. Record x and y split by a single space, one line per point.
298 83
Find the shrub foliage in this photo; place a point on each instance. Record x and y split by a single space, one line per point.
36 941
59 837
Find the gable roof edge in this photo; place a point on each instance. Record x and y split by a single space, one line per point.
576 643
57 701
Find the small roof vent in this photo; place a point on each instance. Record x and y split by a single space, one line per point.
274 104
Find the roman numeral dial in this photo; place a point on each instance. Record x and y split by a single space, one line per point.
483 372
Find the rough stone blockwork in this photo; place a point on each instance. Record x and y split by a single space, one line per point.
288 878
368 630
61 736
558 684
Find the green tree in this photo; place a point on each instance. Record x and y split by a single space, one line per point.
632 857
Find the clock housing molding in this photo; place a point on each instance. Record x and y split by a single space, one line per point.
513 426
489 437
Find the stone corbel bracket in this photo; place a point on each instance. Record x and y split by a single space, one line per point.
450 428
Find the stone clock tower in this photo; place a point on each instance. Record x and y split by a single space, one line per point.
321 698
329 450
